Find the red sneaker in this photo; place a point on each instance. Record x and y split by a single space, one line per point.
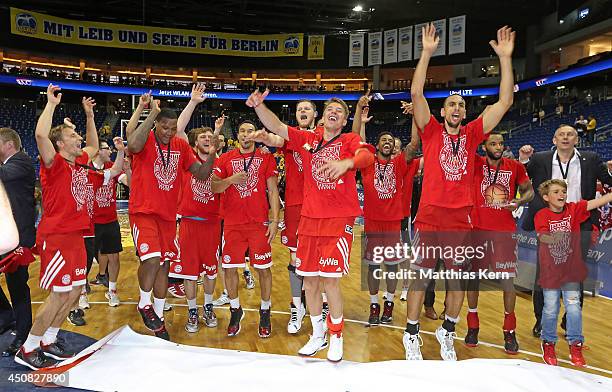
576 354
548 353
177 290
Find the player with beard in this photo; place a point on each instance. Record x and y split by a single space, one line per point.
63 176
449 153
244 175
159 159
496 181
328 213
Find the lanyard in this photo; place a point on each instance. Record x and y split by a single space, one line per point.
245 164
382 175
161 153
454 146
321 146
88 167
564 174
496 172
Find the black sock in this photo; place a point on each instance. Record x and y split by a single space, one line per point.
412 329
448 325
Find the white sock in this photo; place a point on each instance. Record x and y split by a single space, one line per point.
50 336
335 320
235 303
390 297
265 305
112 286
373 298
475 310
158 306
208 298
413 322
32 343
324 296
191 303
449 318
318 326
297 301
145 298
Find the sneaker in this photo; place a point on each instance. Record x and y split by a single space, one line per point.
162 333
295 321
250 281
113 298
374 318
237 315
192 325
84 302
150 319
100 280
412 345
265 326
430 313
325 312
76 318
314 345
177 290
404 295
335 351
387 316
209 317
548 353
576 356
167 306
447 344
511 345
471 338
56 350
222 300
35 359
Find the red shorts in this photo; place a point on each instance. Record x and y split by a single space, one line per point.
199 242
446 219
292 220
500 252
238 238
324 247
433 242
154 237
63 261
379 236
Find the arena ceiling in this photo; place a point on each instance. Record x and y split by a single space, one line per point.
271 16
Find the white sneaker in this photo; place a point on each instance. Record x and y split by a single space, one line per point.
83 302
295 321
404 295
167 306
249 280
314 345
334 353
113 298
222 300
412 345
447 344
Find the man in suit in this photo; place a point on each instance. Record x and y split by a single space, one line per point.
18 175
580 170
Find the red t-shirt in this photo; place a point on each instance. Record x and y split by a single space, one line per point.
382 189
561 262
105 195
248 202
408 181
197 198
324 198
64 196
486 215
155 185
447 177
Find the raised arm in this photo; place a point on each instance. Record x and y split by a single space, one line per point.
138 137
421 108
117 167
9 236
43 126
358 124
602 201
91 135
410 151
503 47
364 120
266 116
143 102
274 200
197 97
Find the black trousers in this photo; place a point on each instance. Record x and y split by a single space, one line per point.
21 310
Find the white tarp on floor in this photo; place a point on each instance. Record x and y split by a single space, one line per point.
127 361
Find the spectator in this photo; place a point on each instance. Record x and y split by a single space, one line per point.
581 127
559 110
541 115
525 154
589 99
591 129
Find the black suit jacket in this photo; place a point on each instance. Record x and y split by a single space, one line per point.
18 176
539 169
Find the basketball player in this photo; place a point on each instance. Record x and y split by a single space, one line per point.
63 176
158 161
328 213
449 154
496 182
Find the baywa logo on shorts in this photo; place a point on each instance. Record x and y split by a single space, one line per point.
227 258
328 261
80 271
66 279
144 248
265 256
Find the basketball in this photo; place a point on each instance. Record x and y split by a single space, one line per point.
496 194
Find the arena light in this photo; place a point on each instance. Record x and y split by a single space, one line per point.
13 60
357 8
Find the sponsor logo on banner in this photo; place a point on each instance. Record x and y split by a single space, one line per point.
24 82
26 23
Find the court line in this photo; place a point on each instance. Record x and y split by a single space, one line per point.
366 323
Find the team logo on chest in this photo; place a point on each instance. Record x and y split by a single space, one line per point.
79 187
453 165
166 174
560 250
250 186
104 194
329 153
498 193
202 190
384 180
298 161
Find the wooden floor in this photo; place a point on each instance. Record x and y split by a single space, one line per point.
361 343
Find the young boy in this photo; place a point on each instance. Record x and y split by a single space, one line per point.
561 265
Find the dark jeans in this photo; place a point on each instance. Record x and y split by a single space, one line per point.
21 310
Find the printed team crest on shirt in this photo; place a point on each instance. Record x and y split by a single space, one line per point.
495 195
90 199
329 153
454 166
298 160
202 190
384 180
247 189
166 175
79 187
561 250
104 195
